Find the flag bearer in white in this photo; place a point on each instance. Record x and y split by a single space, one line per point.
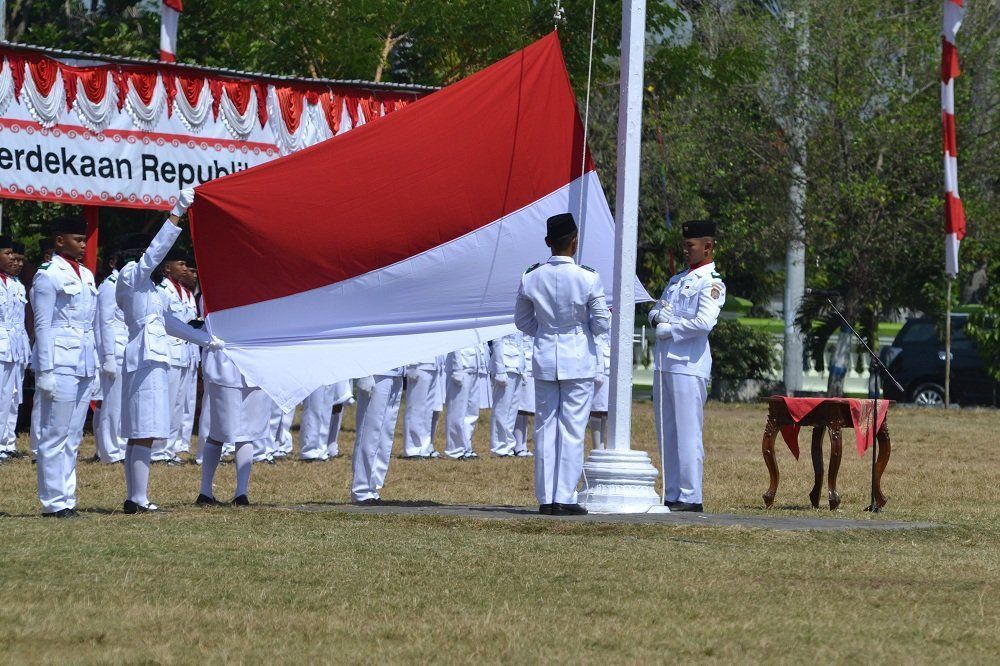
180 305
684 316
64 303
378 407
602 388
112 337
189 396
280 431
8 446
562 306
462 370
10 337
421 381
344 397
507 367
147 401
526 400
318 422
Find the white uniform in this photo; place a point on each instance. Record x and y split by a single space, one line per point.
683 365
376 428
112 336
147 398
421 399
507 368
64 302
14 346
562 306
179 372
317 421
462 369
280 431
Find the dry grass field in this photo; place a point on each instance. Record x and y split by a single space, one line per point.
274 584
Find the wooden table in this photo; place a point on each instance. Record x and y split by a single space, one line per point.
832 414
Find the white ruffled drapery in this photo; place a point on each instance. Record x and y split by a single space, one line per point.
193 117
6 85
239 125
45 109
313 126
145 116
96 116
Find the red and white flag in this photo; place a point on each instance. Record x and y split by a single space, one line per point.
404 238
954 215
170 13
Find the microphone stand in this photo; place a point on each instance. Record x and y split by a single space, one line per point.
877 368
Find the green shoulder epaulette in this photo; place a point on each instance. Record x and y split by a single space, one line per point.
716 275
587 268
531 268
112 279
44 266
162 286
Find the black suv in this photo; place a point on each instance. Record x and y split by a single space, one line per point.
916 358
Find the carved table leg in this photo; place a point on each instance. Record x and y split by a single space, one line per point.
884 450
836 446
817 459
767 447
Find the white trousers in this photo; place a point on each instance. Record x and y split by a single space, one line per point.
561 412
108 420
281 430
60 429
505 402
376 425
679 401
462 401
9 442
163 448
8 402
314 428
420 399
187 396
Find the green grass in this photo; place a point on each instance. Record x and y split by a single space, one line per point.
273 584
771 326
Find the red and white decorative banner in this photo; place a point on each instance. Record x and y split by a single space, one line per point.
954 214
110 134
170 13
404 240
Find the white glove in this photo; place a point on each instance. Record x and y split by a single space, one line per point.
663 332
110 366
46 383
366 384
184 200
500 378
665 313
215 344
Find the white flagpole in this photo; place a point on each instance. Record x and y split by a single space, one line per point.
618 479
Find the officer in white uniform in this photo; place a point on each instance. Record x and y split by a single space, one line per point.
180 305
10 342
280 432
462 367
318 422
507 368
684 316
525 401
421 399
562 306
22 350
602 387
190 281
379 397
148 403
112 336
64 303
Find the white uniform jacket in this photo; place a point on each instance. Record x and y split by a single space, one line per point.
562 306
146 309
20 322
465 361
696 298
13 336
65 309
177 301
507 356
112 333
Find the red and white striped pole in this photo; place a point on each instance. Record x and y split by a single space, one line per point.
170 12
954 215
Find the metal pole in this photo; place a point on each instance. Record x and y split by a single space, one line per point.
627 220
947 348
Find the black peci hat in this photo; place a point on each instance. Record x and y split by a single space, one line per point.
45 245
134 241
68 225
560 226
175 254
18 247
6 242
698 229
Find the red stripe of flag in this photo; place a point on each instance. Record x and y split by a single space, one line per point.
948 130
176 5
954 216
949 61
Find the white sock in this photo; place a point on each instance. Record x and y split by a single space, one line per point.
244 462
332 443
128 470
520 432
596 432
140 474
211 454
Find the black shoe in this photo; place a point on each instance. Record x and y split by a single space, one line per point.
53 514
371 501
241 500
568 510
205 500
545 509
686 506
72 513
131 507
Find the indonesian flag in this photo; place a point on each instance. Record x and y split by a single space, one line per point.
170 12
954 214
403 239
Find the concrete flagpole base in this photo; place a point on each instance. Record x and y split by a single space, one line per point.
620 482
